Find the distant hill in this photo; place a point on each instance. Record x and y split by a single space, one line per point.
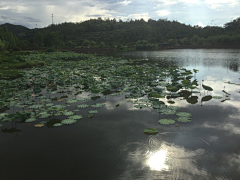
17 29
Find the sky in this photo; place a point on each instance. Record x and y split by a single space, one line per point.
35 13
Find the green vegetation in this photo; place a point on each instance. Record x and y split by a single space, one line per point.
11 64
57 92
132 34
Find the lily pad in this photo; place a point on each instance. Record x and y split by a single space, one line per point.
90 115
140 106
217 97
166 121
31 120
68 113
97 105
184 114
72 101
75 117
183 119
57 124
150 131
92 111
68 121
39 125
83 106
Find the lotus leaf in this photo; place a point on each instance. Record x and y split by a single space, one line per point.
72 101
207 87
97 105
68 113
166 121
184 114
173 107
226 92
68 121
82 105
206 98
183 119
58 114
35 106
192 100
57 124
30 120
150 131
217 97
90 115
167 111
140 106
3 115
75 117
144 100
92 111
43 116
38 125
81 99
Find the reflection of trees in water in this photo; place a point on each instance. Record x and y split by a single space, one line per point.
231 64
11 130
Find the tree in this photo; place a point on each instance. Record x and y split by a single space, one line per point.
85 43
2 45
102 44
195 39
52 39
38 39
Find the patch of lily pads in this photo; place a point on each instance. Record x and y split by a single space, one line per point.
67 77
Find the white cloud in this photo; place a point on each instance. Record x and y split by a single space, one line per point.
201 24
215 4
126 2
163 12
169 2
145 16
226 127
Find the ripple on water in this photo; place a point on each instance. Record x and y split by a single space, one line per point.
134 149
180 146
165 156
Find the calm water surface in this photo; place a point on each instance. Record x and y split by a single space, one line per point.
112 145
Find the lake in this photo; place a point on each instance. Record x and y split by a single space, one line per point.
112 145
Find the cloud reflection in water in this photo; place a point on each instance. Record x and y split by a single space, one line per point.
157 160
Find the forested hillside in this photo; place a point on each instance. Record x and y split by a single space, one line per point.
8 40
109 32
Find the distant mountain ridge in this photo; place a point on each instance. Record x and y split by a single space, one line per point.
16 29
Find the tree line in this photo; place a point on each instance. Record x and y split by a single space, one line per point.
112 33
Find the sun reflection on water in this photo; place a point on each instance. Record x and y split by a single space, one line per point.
157 160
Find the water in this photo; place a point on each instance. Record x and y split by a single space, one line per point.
112 144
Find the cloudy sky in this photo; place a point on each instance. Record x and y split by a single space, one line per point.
32 13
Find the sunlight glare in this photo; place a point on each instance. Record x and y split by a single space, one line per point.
157 160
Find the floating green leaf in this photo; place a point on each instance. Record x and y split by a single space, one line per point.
57 124
166 121
68 121
31 120
75 117
92 111
150 131
184 114
90 115
183 119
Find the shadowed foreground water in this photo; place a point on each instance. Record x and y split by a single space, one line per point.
112 145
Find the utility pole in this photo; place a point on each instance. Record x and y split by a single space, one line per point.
52 19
